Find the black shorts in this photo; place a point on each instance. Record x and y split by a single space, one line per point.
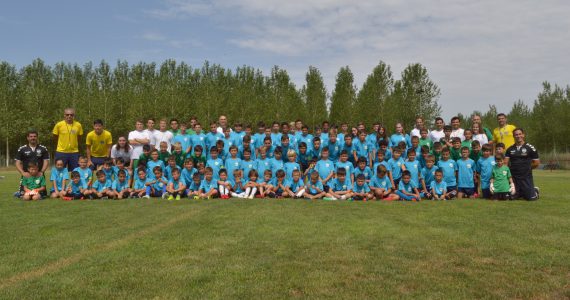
467 191
524 188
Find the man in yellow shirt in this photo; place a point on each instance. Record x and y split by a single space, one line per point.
504 133
99 142
66 134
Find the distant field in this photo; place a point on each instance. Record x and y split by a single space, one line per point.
267 248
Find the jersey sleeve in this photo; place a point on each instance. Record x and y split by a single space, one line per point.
55 130
533 152
88 139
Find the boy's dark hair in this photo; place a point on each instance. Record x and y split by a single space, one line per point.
98 122
74 174
475 143
406 173
247 138
175 170
261 124
500 156
278 149
455 118
381 169
100 172
108 161
208 170
122 172
343 152
361 159
214 149
187 160
222 171
499 145
383 152
171 158
247 150
280 173
456 139
198 148
464 148
157 168
439 171
153 151
267 172
412 151
425 149
196 176
284 137
436 145
383 143
120 160
445 150
220 143
233 147
252 172
32 165
360 177
146 147
430 157
317 139
341 171
487 147
325 149
447 128
415 137
302 145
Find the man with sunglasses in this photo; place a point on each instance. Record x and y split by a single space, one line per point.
66 134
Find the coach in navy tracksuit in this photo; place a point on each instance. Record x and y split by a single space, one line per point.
522 158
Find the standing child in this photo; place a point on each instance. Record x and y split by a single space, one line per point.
292 165
262 163
176 186
34 185
164 152
362 149
188 172
465 175
153 163
247 164
304 157
455 150
120 186
58 178
361 189
277 161
341 186
233 162
407 190
179 154
348 167
170 167
198 156
252 185
396 166
425 140
502 185
314 187
484 170
413 166
381 186
325 169
85 172
438 187
215 163
449 168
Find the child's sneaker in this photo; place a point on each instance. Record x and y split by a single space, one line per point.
67 198
177 197
196 197
146 196
17 194
164 196
170 198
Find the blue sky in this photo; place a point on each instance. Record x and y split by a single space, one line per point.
478 52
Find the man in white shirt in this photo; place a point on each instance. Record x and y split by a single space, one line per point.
137 138
456 130
419 125
222 124
150 132
437 134
163 135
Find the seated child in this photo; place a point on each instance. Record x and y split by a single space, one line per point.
158 183
279 185
438 187
102 186
265 183
314 187
238 185
35 185
209 186
76 188
361 189
121 186
224 184
407 189
176 185
58 178
295 188
194 187
140 187
340 187
381 186
252 185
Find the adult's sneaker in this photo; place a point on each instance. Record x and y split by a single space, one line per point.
537 192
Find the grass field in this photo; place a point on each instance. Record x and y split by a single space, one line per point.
267 248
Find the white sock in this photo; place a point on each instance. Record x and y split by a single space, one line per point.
300 193
242 195
235 195
247 191
343 197
253 191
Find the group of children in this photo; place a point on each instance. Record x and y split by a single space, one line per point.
279 164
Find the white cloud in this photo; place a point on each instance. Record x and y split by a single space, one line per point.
478 52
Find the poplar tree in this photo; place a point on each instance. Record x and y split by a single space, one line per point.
343 97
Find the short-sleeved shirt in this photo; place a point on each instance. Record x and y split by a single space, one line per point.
34 182
407 187
121 153
504 135
85 174
396 167
76 187
381 182
324 168
485 170
428 174
318 185
27 154
348 166
295 186
140 183
438 187
520 159
339 186
361 188
137 149
367 172
67 136
501 177
465 170
58 176
101 186
99 143
120 185
207 186
448 168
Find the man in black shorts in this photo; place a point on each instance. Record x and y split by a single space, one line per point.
522 158
32 152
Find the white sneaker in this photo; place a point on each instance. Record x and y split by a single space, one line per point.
146 196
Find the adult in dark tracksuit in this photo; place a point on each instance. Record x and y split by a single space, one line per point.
522 157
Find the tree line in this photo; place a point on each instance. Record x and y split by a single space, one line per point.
35 95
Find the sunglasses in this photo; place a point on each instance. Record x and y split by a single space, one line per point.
70 115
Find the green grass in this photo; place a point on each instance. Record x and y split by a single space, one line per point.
270 249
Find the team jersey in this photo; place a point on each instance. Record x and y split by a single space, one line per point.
324 168
312 187
159 185
276 138
269 151
376 164
257 140
426 142
455 153
295 186
27 154
448 167
504 135
475 155
247 166
185 141
439 188
120 185
304 158
395 167
168 171
164 156
211 139
231 165
361 148
485 170
140 184
67 136
348 166
216 165
275 183
261 165
367 172
34 182
251 148
193 186
465 171
116 172
150 167
428 175
198 139
76 187
520 159
414 168
85 174
102 186
179 158
176 184
99 144
334 150
466 143
397 138
109 173
349 149
316 152
307 139
237 187
58 175
206 186
285 150
360 188
340 186
407 187
289 167
381 182
501 177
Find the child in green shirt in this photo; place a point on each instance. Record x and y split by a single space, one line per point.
502 185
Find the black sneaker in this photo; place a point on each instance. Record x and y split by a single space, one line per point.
537 193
